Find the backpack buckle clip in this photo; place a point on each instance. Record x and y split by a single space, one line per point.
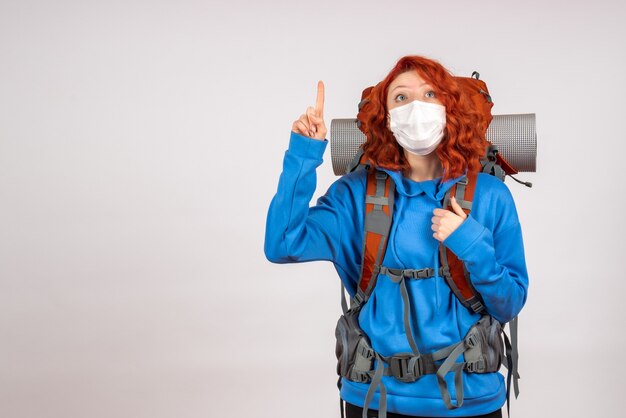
406 369
381 175
477 306
421 274
445 271
477 366
471 341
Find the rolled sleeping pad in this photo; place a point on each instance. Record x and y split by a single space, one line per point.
514 135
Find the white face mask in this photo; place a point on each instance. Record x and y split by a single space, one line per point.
418 126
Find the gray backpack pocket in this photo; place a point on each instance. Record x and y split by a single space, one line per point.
486 347
353 350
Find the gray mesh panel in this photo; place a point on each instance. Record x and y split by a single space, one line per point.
514 135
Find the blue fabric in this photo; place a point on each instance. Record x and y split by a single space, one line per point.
489 241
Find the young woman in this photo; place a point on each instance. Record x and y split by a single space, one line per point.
423 132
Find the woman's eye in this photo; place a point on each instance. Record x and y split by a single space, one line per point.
430 94
400 97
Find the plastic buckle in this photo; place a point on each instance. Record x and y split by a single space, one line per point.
477 306
492 152
376 270
359 376
357 299
365 351
406 369
381 175
426 273
471 341
420 274
445 271
475 366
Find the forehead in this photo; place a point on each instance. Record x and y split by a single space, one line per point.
409 78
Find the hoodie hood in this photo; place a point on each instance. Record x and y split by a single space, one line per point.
434 189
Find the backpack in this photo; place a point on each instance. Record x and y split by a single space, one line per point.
485 347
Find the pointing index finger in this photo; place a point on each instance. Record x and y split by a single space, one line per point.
319 102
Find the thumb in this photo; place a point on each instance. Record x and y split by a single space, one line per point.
457 208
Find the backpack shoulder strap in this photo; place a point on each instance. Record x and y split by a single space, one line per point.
454 270
379 199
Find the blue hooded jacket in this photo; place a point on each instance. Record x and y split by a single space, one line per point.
489 241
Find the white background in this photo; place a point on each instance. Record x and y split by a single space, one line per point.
141 143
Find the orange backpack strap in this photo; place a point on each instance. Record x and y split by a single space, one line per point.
378 211
454 270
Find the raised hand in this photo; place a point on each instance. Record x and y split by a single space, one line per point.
445 222
311 123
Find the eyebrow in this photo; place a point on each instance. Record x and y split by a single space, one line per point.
397 87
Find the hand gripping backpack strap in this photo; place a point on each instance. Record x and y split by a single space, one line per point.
455 273
458 279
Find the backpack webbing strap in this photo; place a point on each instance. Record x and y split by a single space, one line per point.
377 380
463 192
457 277
455 273
359 160
424 273
344 303
509 366
378 210
449 365
514 355
511 363
493 168
408 329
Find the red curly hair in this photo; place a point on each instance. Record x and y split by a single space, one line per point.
463 143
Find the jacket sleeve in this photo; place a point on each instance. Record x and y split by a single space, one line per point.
296 233
495 261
